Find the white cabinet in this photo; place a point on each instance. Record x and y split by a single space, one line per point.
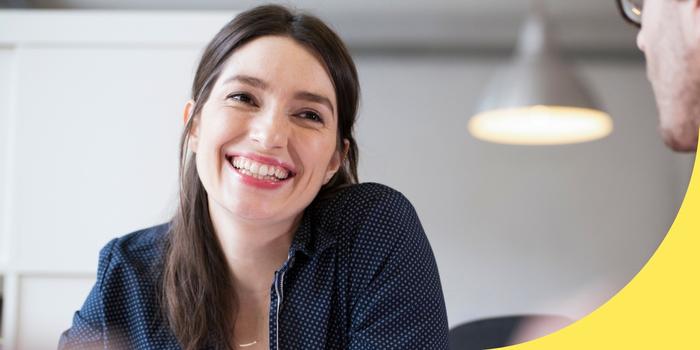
43 313
90 119
96 145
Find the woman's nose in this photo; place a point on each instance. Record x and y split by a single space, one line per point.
270 129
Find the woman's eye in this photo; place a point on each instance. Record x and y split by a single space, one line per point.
311 116
242 98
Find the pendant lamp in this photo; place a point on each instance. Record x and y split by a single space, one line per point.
538 99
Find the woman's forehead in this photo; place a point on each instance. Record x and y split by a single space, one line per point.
280 62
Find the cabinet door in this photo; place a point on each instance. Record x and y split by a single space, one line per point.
96 147
44 316
95 154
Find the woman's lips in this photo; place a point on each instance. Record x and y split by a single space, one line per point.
275 177
257 158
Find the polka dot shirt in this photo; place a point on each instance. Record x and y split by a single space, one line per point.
360 275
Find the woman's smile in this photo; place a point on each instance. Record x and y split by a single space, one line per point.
260 171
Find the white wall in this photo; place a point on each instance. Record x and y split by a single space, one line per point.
521 229
89 151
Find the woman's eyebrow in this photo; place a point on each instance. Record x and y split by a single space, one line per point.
311 97
248 80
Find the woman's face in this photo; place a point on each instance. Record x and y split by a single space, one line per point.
266 138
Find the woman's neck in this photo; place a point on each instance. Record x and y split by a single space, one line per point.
254 250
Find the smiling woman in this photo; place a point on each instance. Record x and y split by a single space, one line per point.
274 243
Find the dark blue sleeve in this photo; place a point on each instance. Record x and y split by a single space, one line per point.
88 323
400 304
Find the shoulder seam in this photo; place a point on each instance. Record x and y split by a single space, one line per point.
107 263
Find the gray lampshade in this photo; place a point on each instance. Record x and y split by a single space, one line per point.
538 99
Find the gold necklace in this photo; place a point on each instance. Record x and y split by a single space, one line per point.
254 342
260 318
248 344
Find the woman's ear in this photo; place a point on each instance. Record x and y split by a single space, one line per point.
193 137
337 161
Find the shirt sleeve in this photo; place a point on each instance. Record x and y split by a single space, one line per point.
400 304
88 323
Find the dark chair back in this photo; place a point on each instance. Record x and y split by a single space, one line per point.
499 331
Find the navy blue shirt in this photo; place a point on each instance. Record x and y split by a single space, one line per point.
360 275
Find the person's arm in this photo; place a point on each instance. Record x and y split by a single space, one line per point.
400 304
87 329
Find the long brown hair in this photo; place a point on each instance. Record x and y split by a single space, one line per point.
198 298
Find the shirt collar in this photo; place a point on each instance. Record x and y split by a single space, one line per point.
312 236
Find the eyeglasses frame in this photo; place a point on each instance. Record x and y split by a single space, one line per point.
627 18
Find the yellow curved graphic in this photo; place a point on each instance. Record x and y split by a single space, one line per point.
659 308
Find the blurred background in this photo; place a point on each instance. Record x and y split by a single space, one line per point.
91 98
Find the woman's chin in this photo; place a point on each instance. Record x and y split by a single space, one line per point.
255 212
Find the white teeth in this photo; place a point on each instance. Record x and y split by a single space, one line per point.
258 170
